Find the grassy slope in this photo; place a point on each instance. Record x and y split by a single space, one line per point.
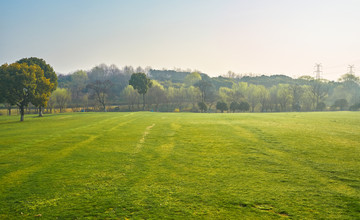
178 165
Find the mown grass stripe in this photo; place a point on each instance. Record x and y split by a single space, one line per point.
213 166
15 178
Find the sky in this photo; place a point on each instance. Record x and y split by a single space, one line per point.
214 36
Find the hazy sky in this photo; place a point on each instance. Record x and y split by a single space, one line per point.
214 36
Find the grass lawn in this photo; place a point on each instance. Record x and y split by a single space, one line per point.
181 166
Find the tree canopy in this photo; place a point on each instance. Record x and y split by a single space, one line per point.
19 83
141 83
222 106
100 90
46 82
49 72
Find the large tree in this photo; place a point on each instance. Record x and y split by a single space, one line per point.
42 92
61 97
100 91
234 106
131 96
2 89
156 95
46 82
244 106
141 83
350 87
264 98
193 95
19 82
253 96
296 93
119 78
284 96
222 106
319 90
202 106
205 87
77 86
1 94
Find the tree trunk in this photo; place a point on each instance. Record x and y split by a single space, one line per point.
9 110
22 112
144 102
40 112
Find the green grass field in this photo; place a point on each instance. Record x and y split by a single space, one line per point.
181 166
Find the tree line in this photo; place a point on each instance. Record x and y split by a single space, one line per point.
109 88
170 90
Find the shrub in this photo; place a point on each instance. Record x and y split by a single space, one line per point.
202 106
222 106
234 106
244 106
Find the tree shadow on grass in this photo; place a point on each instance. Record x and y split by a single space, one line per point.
11 121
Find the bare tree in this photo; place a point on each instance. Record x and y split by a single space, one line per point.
100 90
319 90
